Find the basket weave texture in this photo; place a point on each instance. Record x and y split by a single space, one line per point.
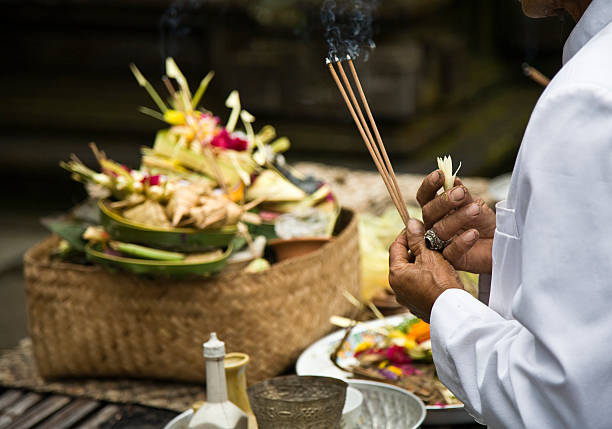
86 321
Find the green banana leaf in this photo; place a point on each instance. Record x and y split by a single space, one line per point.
265 228
175 239
177 269
71 225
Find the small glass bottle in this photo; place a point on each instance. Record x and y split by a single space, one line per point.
217 412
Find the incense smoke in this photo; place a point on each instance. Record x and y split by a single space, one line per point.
348 27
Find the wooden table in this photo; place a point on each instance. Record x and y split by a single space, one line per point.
23 409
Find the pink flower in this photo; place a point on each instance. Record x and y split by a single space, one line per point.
408 369
397 355
208 117
225 140
268 216
151 180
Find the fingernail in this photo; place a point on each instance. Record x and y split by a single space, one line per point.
473 210
437 176
457 194
414 226
470 236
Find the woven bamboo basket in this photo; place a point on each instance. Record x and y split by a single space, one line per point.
85 321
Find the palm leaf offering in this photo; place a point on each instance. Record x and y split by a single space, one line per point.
181 210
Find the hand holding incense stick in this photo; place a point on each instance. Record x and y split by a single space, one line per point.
376 148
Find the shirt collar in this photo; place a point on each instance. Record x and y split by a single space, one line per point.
597 16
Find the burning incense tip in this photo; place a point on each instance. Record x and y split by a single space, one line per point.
535 75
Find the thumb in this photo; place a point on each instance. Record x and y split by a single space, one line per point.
415 234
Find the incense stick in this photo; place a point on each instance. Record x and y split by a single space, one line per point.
377 133
379 166
535 75
384 168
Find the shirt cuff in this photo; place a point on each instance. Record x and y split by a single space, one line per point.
448 313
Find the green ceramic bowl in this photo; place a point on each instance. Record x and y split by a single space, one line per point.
190 268
176 239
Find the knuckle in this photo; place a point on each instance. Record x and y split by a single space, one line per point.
440 229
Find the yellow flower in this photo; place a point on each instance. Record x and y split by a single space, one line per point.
409 343
396 334
174 117
395 370
363 346
383 364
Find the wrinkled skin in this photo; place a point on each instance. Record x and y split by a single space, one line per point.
418 279
458 216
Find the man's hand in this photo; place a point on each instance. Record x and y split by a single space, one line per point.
455 215
418 279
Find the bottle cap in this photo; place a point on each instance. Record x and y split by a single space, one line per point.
214 348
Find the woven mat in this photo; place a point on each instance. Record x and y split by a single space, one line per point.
17 369
362 191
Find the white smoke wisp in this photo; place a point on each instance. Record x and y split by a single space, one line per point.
348 28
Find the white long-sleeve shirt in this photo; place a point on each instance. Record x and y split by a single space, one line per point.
540 356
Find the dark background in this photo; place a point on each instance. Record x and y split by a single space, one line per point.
445 78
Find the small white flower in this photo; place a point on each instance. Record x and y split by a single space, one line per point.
137 187
95 233
446 165
121 183
155 192
138 175
103 179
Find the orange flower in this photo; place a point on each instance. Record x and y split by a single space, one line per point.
419 331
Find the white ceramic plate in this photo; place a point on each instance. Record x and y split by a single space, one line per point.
315 361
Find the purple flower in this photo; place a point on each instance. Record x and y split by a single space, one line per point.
388 374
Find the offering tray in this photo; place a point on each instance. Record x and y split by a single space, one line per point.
184 268
178 239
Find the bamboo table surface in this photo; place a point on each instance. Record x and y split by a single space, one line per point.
23 409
